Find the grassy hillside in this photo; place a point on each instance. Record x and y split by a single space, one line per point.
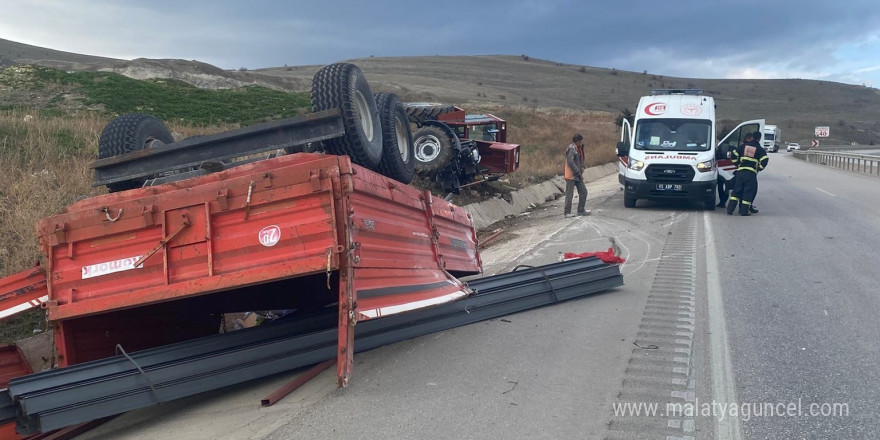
59 92
26 54
796 105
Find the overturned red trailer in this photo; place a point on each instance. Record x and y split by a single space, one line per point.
157 265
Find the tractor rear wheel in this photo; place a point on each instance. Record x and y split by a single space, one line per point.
131 132
423 111
433 149
397 149
344 86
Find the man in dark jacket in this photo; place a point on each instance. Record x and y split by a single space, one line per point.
749 158
574 176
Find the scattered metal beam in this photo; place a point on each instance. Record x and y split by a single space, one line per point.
64 397
291 386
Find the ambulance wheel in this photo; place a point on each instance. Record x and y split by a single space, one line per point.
709 204
345 87
629 201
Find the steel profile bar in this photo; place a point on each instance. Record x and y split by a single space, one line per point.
192 152
401 322
81 373
367 339
7 407
116 383
292 386
85 372
59 406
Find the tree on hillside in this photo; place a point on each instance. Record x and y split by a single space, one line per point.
624 114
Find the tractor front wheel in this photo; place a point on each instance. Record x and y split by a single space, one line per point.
433 149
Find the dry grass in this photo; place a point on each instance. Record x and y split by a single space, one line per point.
544 134
796 105
44 166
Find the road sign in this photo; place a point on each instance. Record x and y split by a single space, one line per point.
815 143
823 132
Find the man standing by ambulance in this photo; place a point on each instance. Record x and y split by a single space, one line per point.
574 176
749 158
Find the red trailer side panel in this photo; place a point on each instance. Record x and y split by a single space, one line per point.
240 227
22 291
405 242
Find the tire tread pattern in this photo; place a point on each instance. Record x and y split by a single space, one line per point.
334 87
130 132
392 114
423 111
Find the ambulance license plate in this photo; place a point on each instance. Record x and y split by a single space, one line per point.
668 187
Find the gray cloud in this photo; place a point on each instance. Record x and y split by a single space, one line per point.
691 38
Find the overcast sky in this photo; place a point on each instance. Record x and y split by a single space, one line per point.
816 39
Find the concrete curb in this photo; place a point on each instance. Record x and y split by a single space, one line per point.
491 211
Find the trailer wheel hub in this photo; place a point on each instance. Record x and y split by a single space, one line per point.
366 116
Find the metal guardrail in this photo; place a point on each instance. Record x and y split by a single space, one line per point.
858 163
844 147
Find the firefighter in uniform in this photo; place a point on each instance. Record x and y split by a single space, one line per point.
749 158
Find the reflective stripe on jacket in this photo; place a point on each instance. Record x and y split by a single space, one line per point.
750 157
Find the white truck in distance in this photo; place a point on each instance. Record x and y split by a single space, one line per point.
669 151
772 136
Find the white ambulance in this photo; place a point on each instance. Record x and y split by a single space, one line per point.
669 152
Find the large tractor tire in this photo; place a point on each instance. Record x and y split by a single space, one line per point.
432 149
397 143
344 86
423 111
131 132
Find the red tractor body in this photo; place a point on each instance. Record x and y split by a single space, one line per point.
489 132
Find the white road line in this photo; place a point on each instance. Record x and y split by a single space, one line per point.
826 192
625 256
723 385
647 253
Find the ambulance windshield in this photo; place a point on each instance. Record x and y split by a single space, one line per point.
674 134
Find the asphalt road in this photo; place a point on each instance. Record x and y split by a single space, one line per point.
798 287
801 301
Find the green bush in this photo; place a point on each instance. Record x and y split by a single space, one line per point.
167 99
